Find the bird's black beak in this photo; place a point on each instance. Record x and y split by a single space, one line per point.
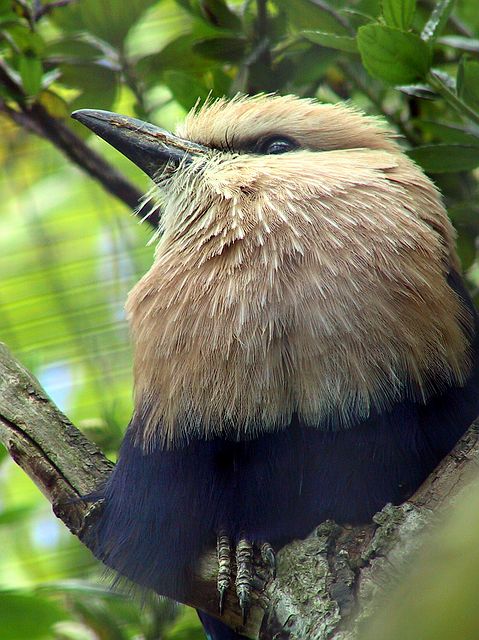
148 146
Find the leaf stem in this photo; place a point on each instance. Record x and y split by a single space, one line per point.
437 21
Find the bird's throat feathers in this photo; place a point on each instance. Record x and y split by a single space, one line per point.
311 283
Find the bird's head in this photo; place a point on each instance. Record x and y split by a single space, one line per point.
236 169
299 250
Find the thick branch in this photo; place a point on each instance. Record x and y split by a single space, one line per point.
325 585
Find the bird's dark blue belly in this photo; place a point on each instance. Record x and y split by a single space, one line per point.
163 508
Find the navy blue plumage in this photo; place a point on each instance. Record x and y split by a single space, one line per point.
163 508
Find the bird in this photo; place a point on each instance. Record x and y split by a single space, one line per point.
305 347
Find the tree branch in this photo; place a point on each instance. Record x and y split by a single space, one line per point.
36 119
326 585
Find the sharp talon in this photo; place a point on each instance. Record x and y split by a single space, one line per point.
221 603
269 557
243 593
244 575
245 611
223 548
244 602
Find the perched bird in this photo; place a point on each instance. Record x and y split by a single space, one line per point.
304 345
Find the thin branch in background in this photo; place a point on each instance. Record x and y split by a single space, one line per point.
42 10
20 119
262 19
439 16
439 82
37 119
327 8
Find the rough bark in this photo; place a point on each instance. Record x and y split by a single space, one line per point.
326 585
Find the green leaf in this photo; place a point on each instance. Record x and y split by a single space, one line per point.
392 55
185 627
220 83
110 21
332 41
446 158
166 22
418 90
439 17
220 15
23 39
321 16
54 104
6 9
68 49
308 65
16 514
443 84
446 132
27 616
221 49
177 55
398 13
186 89
357 18
468 82
98 85
31 71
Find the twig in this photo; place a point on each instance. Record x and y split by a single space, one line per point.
262 28
37 119
43 10
437 20
327 8
436 81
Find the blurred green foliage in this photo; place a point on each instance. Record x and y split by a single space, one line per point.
436 597
69 252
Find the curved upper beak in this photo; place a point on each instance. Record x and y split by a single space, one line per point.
148 146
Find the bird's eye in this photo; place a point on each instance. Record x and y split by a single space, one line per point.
276 144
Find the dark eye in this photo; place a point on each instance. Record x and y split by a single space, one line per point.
276 144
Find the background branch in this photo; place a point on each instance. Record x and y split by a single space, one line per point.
36 119
326 585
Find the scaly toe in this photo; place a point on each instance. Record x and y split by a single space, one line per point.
269 558
223 548
244 575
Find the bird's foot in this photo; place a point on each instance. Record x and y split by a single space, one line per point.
223 548
244 554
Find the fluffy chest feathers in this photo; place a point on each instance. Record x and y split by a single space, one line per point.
324 295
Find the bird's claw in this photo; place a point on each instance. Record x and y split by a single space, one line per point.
244 575
223 548
244 570
269 558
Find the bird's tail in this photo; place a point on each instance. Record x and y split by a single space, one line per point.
216 630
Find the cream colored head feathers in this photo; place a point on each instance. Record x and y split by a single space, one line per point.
311 282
